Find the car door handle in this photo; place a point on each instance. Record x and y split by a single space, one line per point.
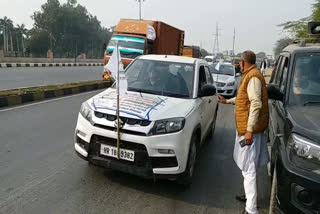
210 101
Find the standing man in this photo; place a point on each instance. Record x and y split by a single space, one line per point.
252 118
264 66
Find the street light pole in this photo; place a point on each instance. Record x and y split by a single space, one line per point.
140 5
140 9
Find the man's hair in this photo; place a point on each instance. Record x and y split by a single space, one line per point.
249 56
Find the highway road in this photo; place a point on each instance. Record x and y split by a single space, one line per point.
33 76
40 172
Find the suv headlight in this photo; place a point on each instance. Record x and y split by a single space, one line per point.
231 83
167 126
304 153
86 112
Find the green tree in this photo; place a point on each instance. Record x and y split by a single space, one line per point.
299 29
71 29
21 33
281 44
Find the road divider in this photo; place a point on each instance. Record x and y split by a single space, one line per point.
14 65
18 96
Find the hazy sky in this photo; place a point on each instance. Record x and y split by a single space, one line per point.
255 20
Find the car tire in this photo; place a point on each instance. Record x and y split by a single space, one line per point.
187 177
273 208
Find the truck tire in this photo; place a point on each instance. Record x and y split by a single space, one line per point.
186 179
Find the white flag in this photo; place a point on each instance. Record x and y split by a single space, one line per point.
115 66
151 33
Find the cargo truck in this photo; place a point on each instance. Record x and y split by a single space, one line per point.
141 37
192 51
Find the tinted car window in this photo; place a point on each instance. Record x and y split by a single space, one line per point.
208 75
306 78
284 71
162 78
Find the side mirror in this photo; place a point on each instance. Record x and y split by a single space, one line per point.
238 74
274 92
207 90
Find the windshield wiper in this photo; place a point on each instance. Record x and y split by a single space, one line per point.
142 91
311 103
170 94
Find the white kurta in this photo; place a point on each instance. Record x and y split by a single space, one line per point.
250 158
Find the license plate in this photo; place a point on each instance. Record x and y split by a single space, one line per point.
111 151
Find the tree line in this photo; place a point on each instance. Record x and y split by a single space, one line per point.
12 37
298 30
66 29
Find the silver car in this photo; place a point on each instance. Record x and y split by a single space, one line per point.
225 78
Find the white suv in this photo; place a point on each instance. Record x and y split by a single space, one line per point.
168 110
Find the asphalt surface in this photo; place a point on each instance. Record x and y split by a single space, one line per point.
33 76
40 172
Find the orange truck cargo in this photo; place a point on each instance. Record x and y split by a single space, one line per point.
191 51
140 37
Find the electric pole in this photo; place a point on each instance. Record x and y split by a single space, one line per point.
140 2
216 41
234 40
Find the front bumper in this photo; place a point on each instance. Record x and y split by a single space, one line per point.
298 191
149 161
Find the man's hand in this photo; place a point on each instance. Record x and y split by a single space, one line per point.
248 138
222 99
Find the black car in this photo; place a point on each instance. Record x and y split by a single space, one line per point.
294 130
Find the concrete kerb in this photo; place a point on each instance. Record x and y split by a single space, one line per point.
12 100
13 65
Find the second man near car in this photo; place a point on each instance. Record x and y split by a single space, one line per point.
252 116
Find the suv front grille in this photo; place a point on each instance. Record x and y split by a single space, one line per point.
220 84
129 121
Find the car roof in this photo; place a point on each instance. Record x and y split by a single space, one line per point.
172 58
298 48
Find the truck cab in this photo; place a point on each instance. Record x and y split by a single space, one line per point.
142 37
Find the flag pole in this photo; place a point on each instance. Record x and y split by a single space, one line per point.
118 103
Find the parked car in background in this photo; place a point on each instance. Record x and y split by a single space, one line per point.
210 59
168 110
294 130
225 78
236 63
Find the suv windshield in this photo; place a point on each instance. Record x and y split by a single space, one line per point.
222 69
130 47
161 78
306 79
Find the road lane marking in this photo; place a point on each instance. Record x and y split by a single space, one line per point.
48 101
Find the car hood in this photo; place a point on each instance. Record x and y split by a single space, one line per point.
306 121
141 105
223 78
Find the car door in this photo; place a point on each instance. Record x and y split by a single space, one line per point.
212 101
205 101
277 110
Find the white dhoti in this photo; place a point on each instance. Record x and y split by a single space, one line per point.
249 159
